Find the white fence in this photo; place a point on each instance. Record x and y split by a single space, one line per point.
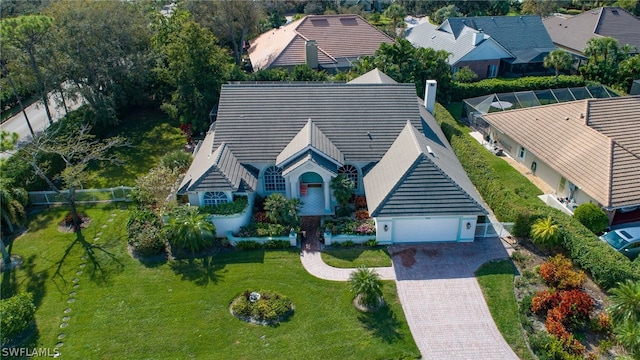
493 229
120 193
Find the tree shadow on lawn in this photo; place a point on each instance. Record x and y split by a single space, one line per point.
201 271
353 253
382 323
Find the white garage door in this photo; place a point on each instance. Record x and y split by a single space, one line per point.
425 230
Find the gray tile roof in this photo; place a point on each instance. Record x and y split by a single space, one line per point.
374 76
411 180
257 121
458 44
310 137
574 32
523 36
313 157
216 171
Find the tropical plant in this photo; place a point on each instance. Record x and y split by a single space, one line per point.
153 188
366 284
592 217
559 60
280 210
12 205
188 229
465 75
545 233
177 160
624 309
343 189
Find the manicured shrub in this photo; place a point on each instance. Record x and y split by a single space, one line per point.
463 91
237 206
558 272
146 238
360 202
591 216
362 214
248 245
270 306
277 244
18 313
544 300
371 243
263 230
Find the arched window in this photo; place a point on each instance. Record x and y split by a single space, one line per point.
351 173
273 180
214 198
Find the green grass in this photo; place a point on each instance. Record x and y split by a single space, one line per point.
151 136
357 256
496 281
179 309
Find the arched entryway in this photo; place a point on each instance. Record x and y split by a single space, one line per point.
312 194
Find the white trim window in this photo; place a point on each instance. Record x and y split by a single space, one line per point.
273 179
492 71
213 198
351 173
522 153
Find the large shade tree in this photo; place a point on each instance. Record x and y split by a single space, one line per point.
192 67
102 49
26 35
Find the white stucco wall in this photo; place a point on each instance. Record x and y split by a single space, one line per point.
233 223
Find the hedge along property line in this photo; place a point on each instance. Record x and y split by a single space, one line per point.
461 91
605 265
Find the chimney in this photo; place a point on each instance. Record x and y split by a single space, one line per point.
430 95
311 53
477 38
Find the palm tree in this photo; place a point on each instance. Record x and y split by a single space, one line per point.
190 230
366 284
559 60
342 189
276 208
545 233
624 309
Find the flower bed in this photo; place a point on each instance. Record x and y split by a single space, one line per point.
261 307
349 226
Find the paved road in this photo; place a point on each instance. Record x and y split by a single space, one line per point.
37 117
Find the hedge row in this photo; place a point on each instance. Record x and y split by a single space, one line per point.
18 313
461 91
606 266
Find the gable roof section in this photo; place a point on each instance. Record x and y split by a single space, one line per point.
218 170
593 143
257 121
410 180
310 138
338 37
523 36
374 76
459 44
574 32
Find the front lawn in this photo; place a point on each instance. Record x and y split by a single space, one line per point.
354 257
180 309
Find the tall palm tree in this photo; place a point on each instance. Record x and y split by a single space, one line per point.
559 60
366 283
188 229
624 309
545 233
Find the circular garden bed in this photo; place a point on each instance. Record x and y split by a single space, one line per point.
261 307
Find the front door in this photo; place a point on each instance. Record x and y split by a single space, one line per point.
311 194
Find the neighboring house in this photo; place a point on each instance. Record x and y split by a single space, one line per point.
293 138
489 45
571 33
635 88
588 150
327 42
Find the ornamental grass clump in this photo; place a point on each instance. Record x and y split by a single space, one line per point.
366 285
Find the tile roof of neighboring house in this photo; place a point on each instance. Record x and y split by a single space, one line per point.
573 33
418 177
459 44
257 121
374 76
340 38
523 36
594 143
216 171
310 137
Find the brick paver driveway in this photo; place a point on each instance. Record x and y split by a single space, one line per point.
443 302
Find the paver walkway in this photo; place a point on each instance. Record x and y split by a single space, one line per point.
441 299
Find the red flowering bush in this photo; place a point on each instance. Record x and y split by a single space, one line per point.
361 202
575 306
558 272
362 214
543 301
260 216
